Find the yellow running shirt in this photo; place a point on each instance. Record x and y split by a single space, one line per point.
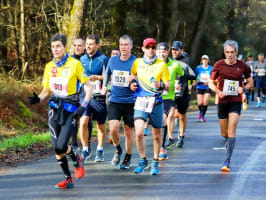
64 81
147 74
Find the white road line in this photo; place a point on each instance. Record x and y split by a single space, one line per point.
242 177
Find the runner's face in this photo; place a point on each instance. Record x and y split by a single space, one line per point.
205 61
79 47
115 53
149 51
177 53
230 54
58 49
91 47
125 47
162 54
261 58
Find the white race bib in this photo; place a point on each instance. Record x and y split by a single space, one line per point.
177 83
204 77
120 78
96 87
261 72
59 86
144 104
230 87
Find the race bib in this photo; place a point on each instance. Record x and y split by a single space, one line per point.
165 92
261 72
177 83
204 77
120 78
96 87
59 86
144 104
230 87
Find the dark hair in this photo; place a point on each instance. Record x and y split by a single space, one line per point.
59 37
117 49
94 37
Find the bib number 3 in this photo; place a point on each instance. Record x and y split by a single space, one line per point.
144 104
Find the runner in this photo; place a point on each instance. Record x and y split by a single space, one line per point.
94 63
228 73
79 50
260 69
150 76
121 100
115 52
61 77
182 96
251 64
203 73
175 70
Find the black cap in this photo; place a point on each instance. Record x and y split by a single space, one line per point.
162 46
177 45
250 56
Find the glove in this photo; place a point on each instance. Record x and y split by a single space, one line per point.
34 99
80 110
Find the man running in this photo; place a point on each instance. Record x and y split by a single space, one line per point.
229 74
250 62
61 77
260 69
175 70
94 64
150 76
182 96
203 73
121 100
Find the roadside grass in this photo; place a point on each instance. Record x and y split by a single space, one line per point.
23 141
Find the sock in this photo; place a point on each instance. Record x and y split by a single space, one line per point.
64 165
200 108
99 148
181 137
85 149
230 145
204 110
72 155
118 148
164 136
128 157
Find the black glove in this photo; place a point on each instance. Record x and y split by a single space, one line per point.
78 112
34 99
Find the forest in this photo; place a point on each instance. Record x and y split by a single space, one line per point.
26 27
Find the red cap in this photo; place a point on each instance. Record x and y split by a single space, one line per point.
148 41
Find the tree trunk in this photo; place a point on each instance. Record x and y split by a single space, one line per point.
75 23
200 31
22 39
174 22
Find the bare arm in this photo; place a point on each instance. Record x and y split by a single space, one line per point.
45 93
215 89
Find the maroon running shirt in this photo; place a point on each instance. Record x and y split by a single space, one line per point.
236 72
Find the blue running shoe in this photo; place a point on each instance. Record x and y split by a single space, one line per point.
146 133
170 143
155 168
259 105
116 158
99 156
126 163
163 154
86 155
180 142
226 166
143 164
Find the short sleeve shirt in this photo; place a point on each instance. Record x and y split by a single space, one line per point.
236 72
203 76
65 80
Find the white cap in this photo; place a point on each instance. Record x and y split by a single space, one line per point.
205 56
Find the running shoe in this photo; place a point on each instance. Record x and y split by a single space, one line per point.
99 156
226 166
155 167
259 105
170 143
126 163
199 115
67 183
245 106
146 133
116 158
203 119
143 164
180 142
163 154
79 169
263 98
86 155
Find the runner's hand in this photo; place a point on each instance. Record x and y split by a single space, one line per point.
34 99
78 112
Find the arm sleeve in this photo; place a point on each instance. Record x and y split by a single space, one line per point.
81 75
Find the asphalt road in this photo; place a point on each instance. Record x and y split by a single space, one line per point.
191 173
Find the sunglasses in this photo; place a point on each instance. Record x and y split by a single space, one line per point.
150 47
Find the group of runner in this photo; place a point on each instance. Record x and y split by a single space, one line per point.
154 87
